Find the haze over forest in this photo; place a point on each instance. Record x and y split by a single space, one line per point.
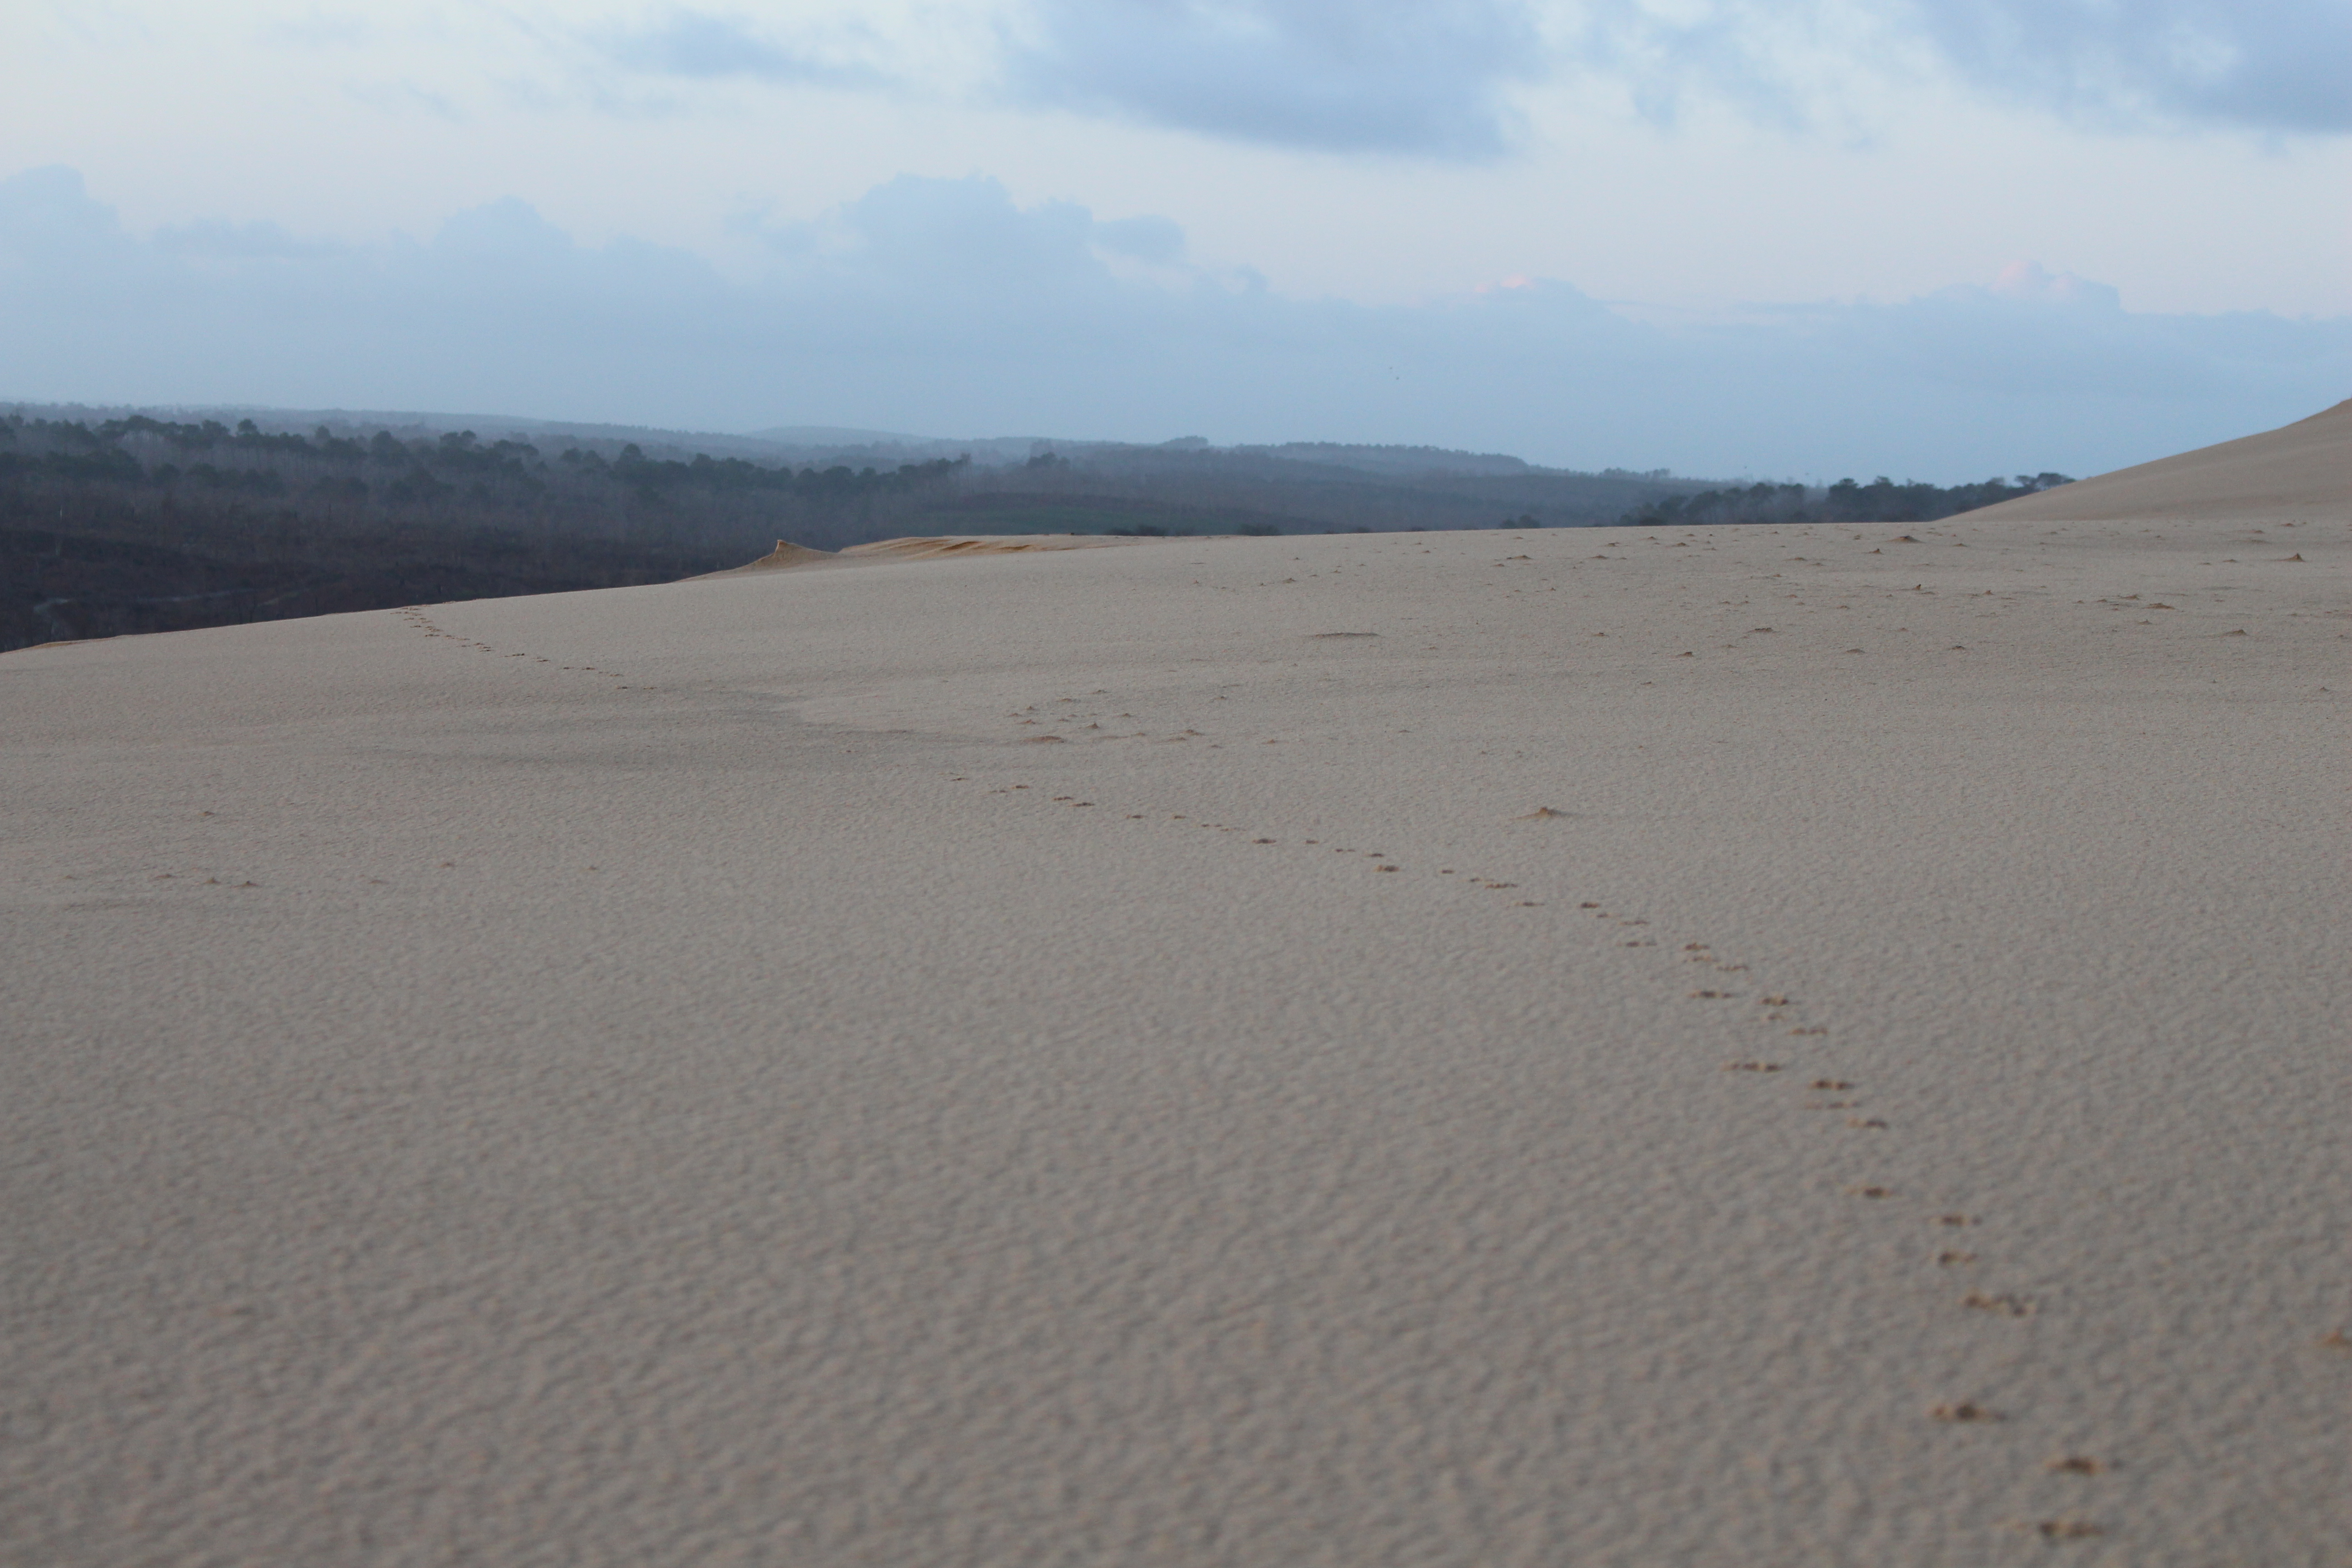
114 521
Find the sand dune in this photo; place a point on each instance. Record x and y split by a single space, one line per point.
972 544
2303 472
788 556
1812 1046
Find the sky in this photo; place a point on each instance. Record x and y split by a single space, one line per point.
1933 239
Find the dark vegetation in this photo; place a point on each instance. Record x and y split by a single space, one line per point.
1880 500
134 523
142 525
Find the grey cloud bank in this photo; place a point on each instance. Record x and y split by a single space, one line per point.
689 44
940 306
1392 76
2266 64
2277 65
1435 78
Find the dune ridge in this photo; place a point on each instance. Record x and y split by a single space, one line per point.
2301 471
788 556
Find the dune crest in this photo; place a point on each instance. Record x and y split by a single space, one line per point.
788 556
784 557
980 544
2298 472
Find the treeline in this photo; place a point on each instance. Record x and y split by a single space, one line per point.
1188 488
139 524
1848 500
132 523
454 477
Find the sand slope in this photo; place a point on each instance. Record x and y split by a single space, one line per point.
2301 472
1102 1056
788 556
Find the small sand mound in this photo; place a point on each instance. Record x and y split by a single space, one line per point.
783 558
918 549
788 555
914 548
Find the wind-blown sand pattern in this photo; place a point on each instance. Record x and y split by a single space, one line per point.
1803 1046
788 556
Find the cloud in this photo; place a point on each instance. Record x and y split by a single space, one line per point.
1420 77
695 44
2273 65
2269 65
2031 281
1154 239
1784 62
1445 79
944 305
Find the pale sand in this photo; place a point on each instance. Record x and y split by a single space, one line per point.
2302 472
788 556
680 1076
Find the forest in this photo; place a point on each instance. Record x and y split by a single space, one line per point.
1880 500
139 524
130 523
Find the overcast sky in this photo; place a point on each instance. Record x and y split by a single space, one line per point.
1937 238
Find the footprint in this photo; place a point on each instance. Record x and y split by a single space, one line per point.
1751 1067
2075 1465
2005 1306
1965 1411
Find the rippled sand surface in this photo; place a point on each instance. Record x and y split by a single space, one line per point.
1815 1045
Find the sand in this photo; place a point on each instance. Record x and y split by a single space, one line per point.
2301 473
788 556
1799 1046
